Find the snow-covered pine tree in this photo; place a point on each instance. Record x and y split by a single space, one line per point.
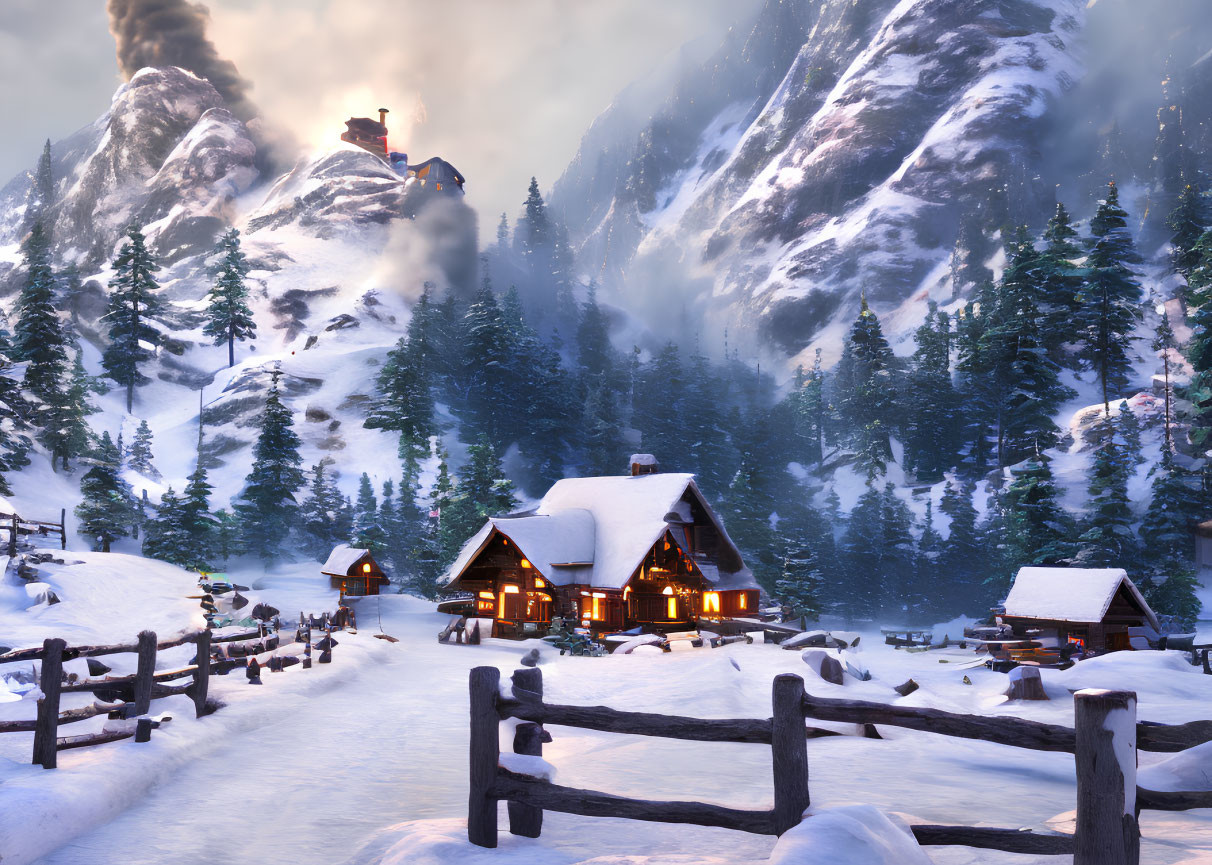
1107 538
268 507
866 393
227 536
961 573
1059 285
860 592
746 510
405 401
107 511
1111 296
898 557
42 190
132 302
596 357
1169 579
1188 222
482 491
1199 347
199 524
38 334
368 532
141 452
931 417
1038 530
228 317
319 513
67 433
15 440
922 599
503 232
659 392
603 449
484 383
535 231
1128 425
1169 151
1166 346
166 537
806 547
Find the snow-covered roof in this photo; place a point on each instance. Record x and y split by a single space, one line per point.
607 523
341 559
1070 594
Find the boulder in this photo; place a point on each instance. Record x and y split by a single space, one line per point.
1025 684
824 664
853 835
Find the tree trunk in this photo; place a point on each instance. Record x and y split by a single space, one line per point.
130 396
231 349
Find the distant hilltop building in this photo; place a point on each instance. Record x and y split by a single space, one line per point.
609 554
434 174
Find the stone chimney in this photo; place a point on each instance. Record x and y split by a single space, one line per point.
644 464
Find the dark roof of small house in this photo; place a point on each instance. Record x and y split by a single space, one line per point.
344 557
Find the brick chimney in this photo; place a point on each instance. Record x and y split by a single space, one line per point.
644 464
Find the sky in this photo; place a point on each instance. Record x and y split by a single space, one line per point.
503 89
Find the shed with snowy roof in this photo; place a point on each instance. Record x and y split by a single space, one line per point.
607 553
1094 607
354 571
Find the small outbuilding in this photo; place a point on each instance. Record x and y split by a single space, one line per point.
354 571
1095 608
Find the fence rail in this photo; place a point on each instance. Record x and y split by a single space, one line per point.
136 690
1103 740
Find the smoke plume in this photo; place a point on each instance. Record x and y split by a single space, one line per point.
173 33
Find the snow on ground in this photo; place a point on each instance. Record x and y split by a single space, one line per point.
363 760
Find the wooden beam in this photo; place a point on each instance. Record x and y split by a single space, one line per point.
1107 832
526 820
201 683
1158 800
1010 840
640 723
484 754
1016 732
68 742
73 652
47 726
145 677
789 751
1172 737
590 803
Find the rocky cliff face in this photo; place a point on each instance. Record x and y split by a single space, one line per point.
852 141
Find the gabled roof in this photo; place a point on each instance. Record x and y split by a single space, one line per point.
341 559
1070 594
609 523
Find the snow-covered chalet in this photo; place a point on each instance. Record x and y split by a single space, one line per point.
608 554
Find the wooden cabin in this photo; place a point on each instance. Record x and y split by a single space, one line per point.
353 571
607 554
1093 607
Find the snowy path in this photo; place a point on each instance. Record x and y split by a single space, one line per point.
315 764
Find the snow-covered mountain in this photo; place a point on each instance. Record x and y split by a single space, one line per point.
338 247
828 149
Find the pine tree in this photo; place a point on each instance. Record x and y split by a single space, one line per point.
42 192
866 393
132 302
167 539
107 511
1060 284
659 392
923 597
267 505
1169 581
502 231
66 432
482 491
15 441
806 544
368 531
898 557
536 228
1038 530
320 513
1107 539
406 402
486 388
1111 298
962 552
228 542
931 423
1128 427
228 317
596 357
1187 221
38 335
602 439
860 552
1169 152
747 508
1166 346
1199 347
200 526
141 452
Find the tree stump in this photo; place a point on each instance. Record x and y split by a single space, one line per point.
1026 684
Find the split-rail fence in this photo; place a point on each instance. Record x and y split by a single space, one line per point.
1103 740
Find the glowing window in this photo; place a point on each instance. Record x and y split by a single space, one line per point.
742 600
488 595
510 589
538 583
526 563
593 608
668 590
366 568
711 602
671 611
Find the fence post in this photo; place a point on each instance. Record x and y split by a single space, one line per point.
1105 759
527 820
202 674
12 538
485 753
144 678
789 749
46 728
63 528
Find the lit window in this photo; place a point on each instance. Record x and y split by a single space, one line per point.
671 611
526 563
488 595
711 602
366 568
593 608
742 600
668 590
510 589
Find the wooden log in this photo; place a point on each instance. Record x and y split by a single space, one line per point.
1172 737
1009 840
47 726
526 820
68 742
145 677
1016 732
789 751
906 688
73 652
159 691
143 728
201 684
590 803
640 723
485 753
1105 759
62 528
1157 800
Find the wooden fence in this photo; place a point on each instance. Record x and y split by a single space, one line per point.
16 526
1105 732
145 685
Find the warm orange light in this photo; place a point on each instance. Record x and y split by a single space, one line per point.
743 600
526 563
711 602
668 590
591 608
483 606
538 583
488 595
510 590
366 568
672 608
